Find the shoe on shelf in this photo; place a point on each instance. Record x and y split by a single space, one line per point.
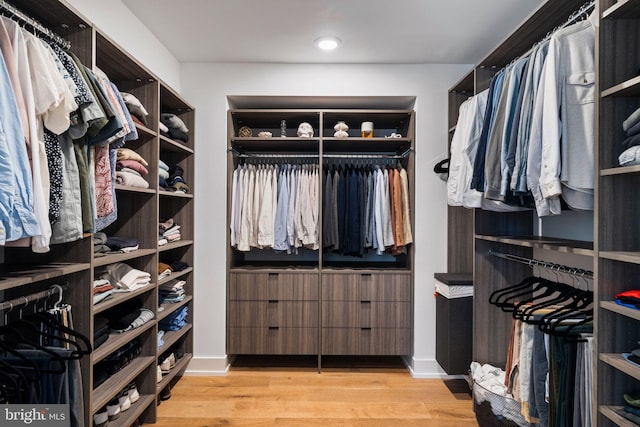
132 392
101 418
172 361
113 409
165 366
179 352
123 399
159 374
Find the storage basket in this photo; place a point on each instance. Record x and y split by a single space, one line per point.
492 409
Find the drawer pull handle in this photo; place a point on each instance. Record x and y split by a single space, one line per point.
365 329
365 302
273 328
365 274
273 301
273 274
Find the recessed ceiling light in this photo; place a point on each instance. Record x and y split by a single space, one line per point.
327 43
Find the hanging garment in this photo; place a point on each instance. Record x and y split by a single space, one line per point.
567 117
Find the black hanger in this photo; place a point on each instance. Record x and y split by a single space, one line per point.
48 319
540 290
579 312
506 297
558 293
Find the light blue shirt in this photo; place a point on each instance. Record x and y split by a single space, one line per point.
17 217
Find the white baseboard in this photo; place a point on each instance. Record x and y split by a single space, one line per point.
219 366
427 368
208 366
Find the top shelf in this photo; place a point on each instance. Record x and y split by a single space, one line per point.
24 275
627 9
578 247
171 101
53 15
550 14
118 64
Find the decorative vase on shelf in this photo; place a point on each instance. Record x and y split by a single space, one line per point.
366 129
341 129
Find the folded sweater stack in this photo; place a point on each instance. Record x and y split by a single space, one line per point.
100 330
175 321
173 127
630 148
123 277
135 107
127 316
102 290
175 180
168 231
630 298
172 292
131 168
103 244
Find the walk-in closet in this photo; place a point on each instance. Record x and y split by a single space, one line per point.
400 213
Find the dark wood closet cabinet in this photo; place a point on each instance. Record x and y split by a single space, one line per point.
140 210
615 238
318 302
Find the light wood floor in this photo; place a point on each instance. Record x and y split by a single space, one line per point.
277 396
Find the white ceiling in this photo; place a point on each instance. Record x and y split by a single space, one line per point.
372 31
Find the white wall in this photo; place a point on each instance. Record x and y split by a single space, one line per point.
206 87
115 20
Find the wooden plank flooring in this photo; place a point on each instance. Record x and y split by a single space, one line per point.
346 396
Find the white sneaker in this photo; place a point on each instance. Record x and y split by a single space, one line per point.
132 392
125 402
165 366
159 374
113 409
172 361
101 418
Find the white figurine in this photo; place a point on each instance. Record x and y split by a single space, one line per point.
341 129
305 130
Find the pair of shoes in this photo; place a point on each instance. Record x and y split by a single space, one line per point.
101 418
168 363
128 396
121 402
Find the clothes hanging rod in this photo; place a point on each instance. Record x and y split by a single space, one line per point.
25 300
37 26
532 262
324 156
277 156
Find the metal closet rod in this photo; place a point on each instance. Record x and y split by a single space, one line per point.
37 26
324 156
22 301
532 262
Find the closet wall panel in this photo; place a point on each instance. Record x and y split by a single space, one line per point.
618 240
139 212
